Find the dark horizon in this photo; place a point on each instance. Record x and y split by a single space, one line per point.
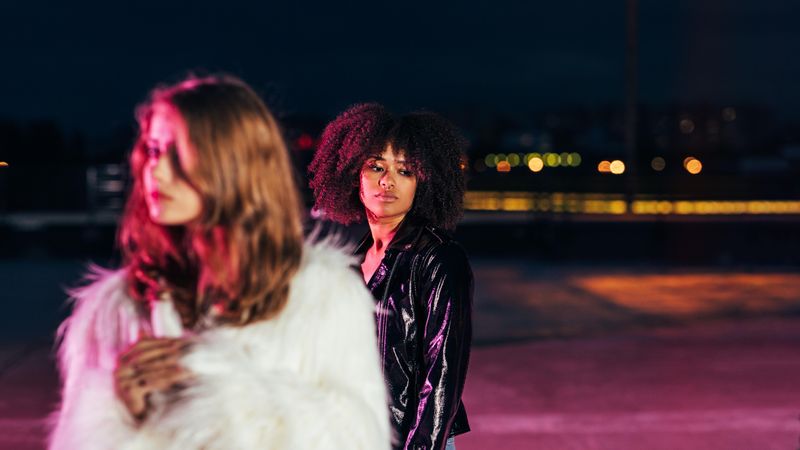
86 67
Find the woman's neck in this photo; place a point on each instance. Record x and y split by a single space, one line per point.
383 231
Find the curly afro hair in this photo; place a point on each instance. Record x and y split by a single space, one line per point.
431 145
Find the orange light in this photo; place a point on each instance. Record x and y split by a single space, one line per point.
617 167
3 164
503 166
658 164
694 166
604 167
536 164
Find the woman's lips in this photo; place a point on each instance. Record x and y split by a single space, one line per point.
386 197
159 196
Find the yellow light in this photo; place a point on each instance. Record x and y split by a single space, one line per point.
658 164
604 167
641 207
617 207
617 167
513 159
614 204
575 159
490 160
517 203
500 158
3 164
536 164
503 166
664 207
564 157
684 207
694 167
686 160
551 159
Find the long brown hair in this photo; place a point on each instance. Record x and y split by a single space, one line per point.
240 255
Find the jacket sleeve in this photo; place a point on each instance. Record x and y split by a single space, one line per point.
446 295
102 323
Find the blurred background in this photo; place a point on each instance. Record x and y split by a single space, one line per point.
632 207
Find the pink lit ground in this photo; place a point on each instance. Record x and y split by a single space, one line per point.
584 358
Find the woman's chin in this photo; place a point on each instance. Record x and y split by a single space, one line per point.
167 219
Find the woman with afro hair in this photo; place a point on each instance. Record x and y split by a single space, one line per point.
404 176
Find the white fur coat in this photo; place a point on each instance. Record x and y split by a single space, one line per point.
308 379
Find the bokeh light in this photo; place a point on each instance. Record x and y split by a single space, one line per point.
617 167
536 164
530 156
503 166
604 167
658 164
694 166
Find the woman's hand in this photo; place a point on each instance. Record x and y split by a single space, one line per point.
150 365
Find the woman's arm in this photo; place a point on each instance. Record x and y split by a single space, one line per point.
309 378
103 322
446 292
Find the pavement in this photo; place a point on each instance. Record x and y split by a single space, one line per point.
564 357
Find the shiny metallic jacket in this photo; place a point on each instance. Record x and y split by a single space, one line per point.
423 288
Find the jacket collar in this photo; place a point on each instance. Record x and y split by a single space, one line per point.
408 233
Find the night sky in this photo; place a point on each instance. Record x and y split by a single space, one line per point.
86 66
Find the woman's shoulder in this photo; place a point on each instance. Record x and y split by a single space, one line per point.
103 317
327 268
332 252
326 291
100 281
438 245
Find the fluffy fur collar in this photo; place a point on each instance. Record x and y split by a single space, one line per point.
308 379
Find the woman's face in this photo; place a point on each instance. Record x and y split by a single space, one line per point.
169 197
387 186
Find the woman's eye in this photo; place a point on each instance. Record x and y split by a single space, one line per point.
375 168
153 152
405 173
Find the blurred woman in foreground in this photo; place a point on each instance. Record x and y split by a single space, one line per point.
223 330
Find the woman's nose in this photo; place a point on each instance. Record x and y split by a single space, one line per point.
160 169
387 181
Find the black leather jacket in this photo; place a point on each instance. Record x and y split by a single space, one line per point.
423 287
